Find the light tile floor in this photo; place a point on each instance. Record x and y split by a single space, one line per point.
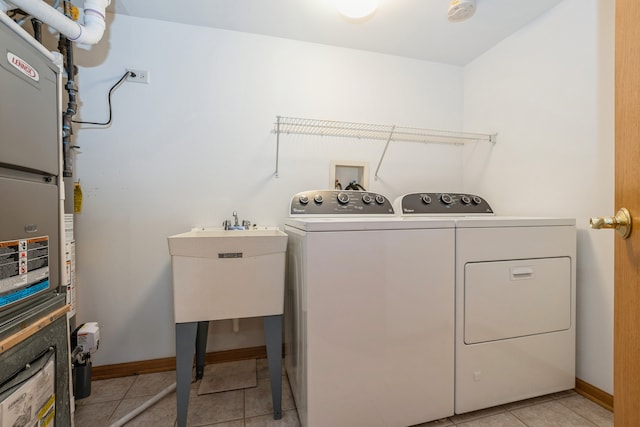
111 399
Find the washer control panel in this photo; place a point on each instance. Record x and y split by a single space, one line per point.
340 202
442 204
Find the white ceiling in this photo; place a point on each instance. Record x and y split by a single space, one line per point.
412 28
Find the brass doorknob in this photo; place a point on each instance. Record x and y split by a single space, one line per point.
621 222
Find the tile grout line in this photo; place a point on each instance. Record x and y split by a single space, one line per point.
518 418
109 420
578 414
559 399
244 405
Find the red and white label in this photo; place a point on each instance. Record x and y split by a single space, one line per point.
23 66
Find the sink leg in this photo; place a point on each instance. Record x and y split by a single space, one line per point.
201 348
273 337
185 339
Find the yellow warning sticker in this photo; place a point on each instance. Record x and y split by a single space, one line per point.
47 413
77 197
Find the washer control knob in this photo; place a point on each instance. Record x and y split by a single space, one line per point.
379 199
367 199
303 199
318 198
446 199
426 199
477 200
343 198
466 200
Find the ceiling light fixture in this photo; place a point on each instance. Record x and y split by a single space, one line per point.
356 9
461 10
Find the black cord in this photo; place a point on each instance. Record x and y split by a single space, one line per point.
354 186
114 87
15 12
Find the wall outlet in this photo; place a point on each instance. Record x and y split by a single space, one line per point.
138 76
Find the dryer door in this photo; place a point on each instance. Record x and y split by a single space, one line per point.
509 299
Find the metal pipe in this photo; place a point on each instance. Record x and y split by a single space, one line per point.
67 161
37 29
66 48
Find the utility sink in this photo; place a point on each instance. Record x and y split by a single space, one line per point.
227 274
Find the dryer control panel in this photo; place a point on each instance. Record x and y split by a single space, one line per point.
340 202
442 204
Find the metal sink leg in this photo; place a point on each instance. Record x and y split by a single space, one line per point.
273 337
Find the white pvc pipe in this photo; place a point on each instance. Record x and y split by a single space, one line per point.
236 325
140 409
89 33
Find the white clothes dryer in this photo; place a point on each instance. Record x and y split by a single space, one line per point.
515 300
369 312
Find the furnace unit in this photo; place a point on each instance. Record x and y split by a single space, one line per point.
30 129
34 352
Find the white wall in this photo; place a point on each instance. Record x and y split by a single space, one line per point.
548 91
195 145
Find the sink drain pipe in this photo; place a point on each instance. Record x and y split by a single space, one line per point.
146 405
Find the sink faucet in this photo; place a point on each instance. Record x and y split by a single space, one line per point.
226 224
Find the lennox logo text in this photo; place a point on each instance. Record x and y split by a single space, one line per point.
23 66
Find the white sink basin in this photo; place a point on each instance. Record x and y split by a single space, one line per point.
211 243
227 274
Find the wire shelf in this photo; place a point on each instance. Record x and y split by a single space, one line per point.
388 133
299 126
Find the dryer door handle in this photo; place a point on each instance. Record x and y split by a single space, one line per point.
520 273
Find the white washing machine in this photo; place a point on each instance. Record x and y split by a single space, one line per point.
369 312
515 300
